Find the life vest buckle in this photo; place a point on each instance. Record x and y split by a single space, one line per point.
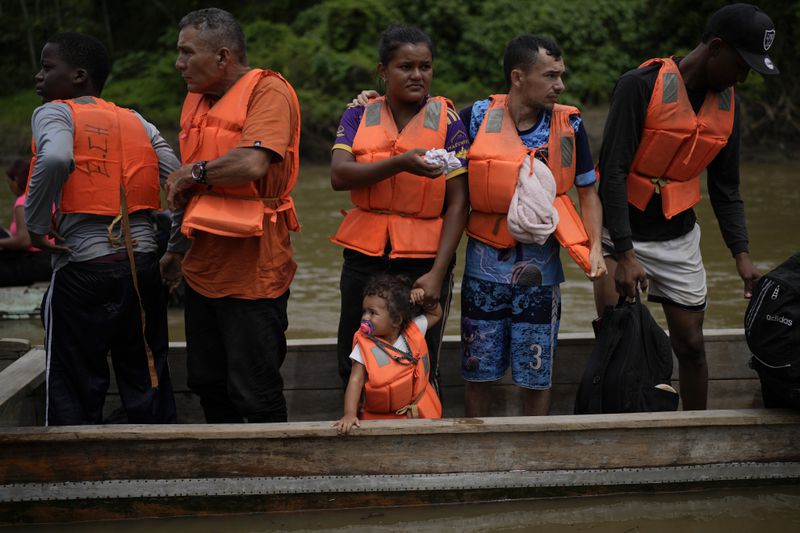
660 183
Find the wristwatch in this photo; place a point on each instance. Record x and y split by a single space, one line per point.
199 172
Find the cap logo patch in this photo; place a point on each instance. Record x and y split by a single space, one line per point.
769 36
768 63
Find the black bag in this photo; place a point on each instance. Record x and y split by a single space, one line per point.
630 367
772 330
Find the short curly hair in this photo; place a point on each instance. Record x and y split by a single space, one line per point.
396 290
79 50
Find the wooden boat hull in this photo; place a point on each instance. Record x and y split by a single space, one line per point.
63 474
126 471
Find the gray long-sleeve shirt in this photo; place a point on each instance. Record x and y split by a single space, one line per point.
86 235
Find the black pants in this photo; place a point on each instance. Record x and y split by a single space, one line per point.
90 309
357 269
235 349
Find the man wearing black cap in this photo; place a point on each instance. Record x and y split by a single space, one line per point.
669 120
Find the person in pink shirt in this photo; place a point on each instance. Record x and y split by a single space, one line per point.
20 263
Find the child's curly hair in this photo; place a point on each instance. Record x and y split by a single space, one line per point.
396 290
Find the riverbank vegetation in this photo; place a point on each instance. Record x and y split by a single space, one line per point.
327 50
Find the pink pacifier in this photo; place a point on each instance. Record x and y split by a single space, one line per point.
366 327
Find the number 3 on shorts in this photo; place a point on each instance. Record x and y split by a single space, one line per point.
536 364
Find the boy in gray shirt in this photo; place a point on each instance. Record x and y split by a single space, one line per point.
99 165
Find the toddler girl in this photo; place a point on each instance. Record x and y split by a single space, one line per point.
390 358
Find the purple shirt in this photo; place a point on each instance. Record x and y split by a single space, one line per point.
456 139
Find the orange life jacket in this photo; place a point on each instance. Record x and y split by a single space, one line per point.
677 144
208 132
398 387
405 209
111 148
495 158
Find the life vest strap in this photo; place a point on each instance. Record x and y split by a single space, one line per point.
129 243
412 410
398 213
404 358
659 183
284 203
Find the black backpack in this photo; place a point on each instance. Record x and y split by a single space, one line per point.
772 330
630 367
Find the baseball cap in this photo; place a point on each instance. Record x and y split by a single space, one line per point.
749 30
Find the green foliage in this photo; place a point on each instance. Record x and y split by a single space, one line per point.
328 50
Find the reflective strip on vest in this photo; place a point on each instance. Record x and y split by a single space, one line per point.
433 112
83 100
373 113
494 121
566 151
725 100
380 356
670 95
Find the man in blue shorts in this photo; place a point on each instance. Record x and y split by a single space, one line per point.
510 297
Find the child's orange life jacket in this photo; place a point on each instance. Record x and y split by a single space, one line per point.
397 384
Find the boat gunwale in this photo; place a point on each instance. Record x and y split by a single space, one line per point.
378 428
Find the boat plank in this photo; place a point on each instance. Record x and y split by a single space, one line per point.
406 447
21 376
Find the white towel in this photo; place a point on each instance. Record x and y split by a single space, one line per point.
440 156
531 215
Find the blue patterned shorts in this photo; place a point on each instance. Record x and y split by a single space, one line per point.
502 325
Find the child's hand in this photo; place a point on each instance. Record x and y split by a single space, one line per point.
344 424
417 295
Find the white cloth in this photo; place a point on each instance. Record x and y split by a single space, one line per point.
531 215
440 156
422 323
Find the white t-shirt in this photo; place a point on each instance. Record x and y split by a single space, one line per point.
422 323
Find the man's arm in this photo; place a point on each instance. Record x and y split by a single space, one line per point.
589 200
178 243
621 136
592 216
723 191
53 129
266 135
238 166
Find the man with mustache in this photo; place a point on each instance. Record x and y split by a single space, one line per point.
240 132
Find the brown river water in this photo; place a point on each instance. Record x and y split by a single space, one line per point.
774 510
772 202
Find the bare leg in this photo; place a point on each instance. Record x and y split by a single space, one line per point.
605 292
686 335
477 398
535 402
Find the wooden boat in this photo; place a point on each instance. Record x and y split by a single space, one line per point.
125 471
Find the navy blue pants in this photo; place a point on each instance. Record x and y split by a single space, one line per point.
91 309
235 349
356 271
